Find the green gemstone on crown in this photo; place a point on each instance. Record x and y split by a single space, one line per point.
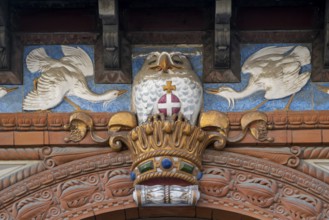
146 166
188 168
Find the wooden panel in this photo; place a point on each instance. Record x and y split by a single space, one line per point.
56 20
164 19
169 15
271 18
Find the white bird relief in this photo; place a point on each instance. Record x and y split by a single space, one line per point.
274 70
61 78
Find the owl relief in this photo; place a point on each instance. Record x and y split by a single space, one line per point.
167 84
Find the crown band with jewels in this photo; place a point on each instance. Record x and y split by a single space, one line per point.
168 148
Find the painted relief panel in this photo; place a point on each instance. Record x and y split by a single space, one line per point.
61 79
273 77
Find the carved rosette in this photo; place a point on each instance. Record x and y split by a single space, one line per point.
259 191
75 193
216 182
117 183
302 206
33 207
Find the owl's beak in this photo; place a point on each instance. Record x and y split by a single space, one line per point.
11 89
164 62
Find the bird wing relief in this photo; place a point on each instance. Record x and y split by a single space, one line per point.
279 71
78 58
51 89
38 60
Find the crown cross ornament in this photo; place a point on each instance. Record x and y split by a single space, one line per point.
169 87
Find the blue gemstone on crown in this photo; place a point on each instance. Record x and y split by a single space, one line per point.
199 175
166 163
132 176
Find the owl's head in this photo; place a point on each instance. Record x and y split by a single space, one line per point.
164 64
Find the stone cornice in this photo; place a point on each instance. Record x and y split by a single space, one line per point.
39 121
48 129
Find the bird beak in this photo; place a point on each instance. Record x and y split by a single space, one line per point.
212 91
121 92
323 88
165 63
11 89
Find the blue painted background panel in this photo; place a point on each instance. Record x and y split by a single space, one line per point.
309 98
12 102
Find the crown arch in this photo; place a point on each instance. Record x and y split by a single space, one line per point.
99 186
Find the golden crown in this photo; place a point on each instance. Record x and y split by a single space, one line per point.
169 148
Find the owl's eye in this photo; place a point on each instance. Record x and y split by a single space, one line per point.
152 60
176 59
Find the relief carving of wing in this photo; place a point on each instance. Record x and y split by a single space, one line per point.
52 86
39 61
78 58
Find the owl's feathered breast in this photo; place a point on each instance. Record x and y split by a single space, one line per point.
148 92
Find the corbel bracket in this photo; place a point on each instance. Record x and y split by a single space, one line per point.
111 51
222 53
222 33
114 68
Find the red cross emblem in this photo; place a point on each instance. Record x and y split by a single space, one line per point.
169 104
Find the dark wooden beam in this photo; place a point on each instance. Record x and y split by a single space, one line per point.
10 50
222 33
113 69
222 52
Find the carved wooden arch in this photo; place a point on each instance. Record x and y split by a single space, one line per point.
100 184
